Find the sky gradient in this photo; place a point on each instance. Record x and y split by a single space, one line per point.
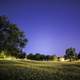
51 26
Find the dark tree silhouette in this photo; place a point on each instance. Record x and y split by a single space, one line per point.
21 55
30 56
12 39
41 57
79 55
70 54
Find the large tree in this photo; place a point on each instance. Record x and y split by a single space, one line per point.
70 54
12 39
79 55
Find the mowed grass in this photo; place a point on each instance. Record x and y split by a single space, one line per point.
36 70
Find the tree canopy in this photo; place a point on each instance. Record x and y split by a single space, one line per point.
70 54
12 39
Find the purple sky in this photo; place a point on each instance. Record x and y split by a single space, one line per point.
51 26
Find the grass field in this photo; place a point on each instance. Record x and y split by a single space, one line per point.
35 70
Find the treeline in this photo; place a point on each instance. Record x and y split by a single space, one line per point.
41 57
70 54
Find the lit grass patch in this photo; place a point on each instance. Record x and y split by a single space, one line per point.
34 70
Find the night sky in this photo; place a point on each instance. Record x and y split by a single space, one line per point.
51 26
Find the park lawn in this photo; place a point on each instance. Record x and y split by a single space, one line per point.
39 70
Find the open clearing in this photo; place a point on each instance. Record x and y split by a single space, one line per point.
36 70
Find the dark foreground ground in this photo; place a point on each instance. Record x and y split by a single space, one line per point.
34 70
